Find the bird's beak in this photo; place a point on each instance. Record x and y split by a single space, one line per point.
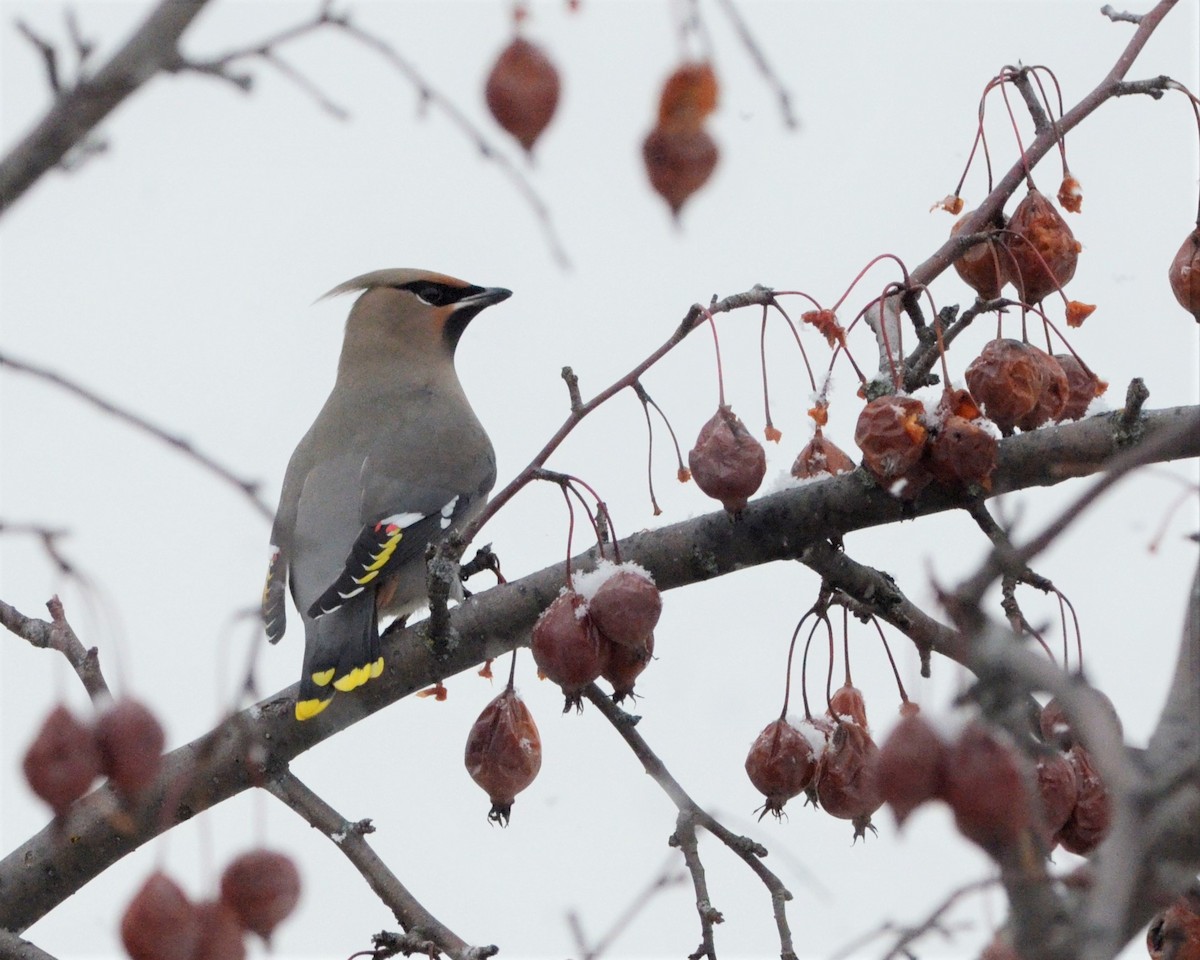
484 298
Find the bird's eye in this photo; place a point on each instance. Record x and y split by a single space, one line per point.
433 295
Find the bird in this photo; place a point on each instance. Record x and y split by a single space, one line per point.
396 460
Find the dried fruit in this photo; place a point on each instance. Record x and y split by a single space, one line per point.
1044 251
847 703
847 784
1090 819
1052 398
727 462
62 761
1056 728
1078 312
625 665
1006 378
985 789
910 767
781 763
1070 194
522 91
1174 933
688 96
679 160
504 752
131 743
625 606
568 648
263 888
1083 387
221 935
962 453
891 434
983 267
160 922
1058 789
1184 274
821 457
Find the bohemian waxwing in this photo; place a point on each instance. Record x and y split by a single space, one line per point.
395 460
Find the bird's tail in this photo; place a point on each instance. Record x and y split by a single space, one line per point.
341 652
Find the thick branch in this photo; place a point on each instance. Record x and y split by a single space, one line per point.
41 873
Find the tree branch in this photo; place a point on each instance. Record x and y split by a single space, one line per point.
42 872
78 111
350 838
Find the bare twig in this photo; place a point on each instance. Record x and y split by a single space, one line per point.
48 54
57 634
665 879
756 295
350 838
1117 16
78 111
247 487
750 852
781 92
430 96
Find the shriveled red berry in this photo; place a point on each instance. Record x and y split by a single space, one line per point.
1006 379
221 935
821 457
1058 789
1056 728
160 922
1092 816
891 434
688 96
984 267
781 763
1052 398
727 462
131 742
625 665
962 453
985 788
679 160
568 648
504 752
1184 274
263 888
522 91
1174 933
626 606
910 766
847 703
847 780
62 761
1083 387
1044 251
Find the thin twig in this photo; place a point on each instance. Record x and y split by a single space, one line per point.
760 60
431 96
57 634
350 838
748 850
247 487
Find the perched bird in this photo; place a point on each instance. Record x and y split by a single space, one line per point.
395 460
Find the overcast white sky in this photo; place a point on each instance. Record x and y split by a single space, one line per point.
176 275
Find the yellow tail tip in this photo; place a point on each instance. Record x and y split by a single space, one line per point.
307 709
